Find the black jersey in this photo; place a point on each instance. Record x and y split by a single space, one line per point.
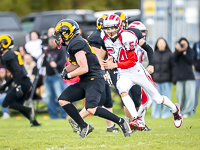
77 44
137 32
14 64
95 39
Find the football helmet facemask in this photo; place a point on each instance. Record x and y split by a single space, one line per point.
112 25
139 25
124 19
6 42
65 30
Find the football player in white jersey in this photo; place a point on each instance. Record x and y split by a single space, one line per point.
120 45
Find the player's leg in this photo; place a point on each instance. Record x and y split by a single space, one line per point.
108 104
68 96
93 95
143 79
12 101
124 83
146 103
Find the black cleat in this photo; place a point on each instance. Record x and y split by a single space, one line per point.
124 125
113 129
36 125
147 129
74 125
85 131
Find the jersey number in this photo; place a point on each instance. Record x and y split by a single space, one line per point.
122 56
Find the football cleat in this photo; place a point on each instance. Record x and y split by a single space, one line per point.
85 131
137 124
124 125
147 128
113 129
178 120
74 125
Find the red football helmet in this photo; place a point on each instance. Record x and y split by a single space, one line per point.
112 25
139 25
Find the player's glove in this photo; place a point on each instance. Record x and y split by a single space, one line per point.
65 75
19 91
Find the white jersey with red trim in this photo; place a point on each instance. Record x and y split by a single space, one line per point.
126 41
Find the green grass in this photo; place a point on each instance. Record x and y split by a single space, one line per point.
57 134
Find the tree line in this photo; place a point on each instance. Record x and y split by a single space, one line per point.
24 7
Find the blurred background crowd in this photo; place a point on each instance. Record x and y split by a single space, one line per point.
173 33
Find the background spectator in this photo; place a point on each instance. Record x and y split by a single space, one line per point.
184 77
3 80
22 51
54 85
30 66
163 63
33 47
196 49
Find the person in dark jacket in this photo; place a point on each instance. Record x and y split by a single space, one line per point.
184 77
196 49
163 63
54 85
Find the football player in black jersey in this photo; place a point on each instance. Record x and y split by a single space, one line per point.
16 95
91 84
106 100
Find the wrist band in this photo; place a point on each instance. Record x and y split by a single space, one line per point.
69 76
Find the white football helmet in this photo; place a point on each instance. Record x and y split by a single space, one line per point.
139 25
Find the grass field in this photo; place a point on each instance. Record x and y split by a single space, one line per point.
57 134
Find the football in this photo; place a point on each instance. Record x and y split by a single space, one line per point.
71 67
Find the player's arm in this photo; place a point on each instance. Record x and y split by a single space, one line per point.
100 55
83 65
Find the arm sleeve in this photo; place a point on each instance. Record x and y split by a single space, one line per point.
132 57
149 51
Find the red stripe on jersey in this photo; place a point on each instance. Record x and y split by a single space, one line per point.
106 36
144 97
120 39
141 57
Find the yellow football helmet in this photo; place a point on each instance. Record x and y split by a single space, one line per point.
6 42
123 18
66 29
99 22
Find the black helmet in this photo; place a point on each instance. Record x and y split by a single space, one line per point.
6 42
66 28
